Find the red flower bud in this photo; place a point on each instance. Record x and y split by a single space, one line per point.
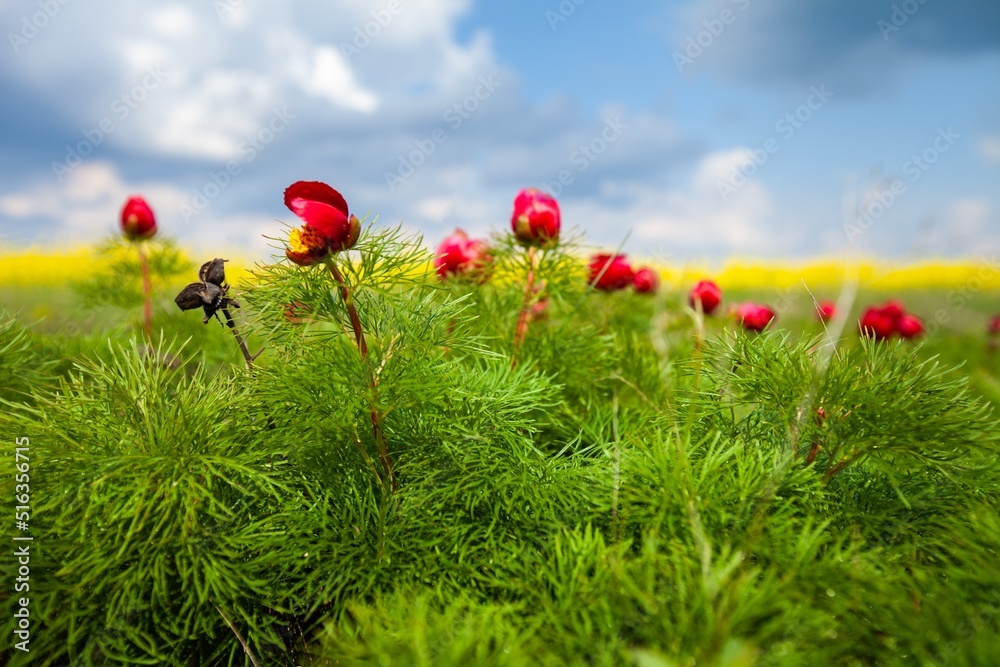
826 310
646 281
754 317
618 274
910 326
535 220
877 324
325 211
459 255
137 219
708 294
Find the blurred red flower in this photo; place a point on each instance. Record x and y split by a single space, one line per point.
876 323
137 219
610 272
646 281
461 256
536 219
754 316
708 294
888 320
826 310
910 326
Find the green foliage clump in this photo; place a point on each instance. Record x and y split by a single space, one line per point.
615 489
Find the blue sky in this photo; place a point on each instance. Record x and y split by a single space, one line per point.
703 129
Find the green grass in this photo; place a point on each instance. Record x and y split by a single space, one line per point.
622 497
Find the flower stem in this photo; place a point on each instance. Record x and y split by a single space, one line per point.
239 339
345 294
359 336
147 289
524 319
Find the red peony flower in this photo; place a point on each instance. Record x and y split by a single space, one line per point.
646 281
754 317
877 323
306 246
910 326
618 274
535 220
893 309
137 219
826 310
324 211
994 325
461 256
708 294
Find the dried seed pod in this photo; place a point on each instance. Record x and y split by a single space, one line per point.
213 272
191 297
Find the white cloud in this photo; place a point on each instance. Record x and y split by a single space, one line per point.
87 206
326 73
174 21
691 220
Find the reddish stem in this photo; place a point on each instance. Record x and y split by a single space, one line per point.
813 451
359 337
239 339
147 294
524 319
345 294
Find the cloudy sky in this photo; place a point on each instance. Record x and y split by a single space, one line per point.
698 128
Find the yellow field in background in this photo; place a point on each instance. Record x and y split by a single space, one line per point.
49 269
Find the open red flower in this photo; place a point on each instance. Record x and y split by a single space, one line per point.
826 310
610 272
994 326
877 324
646 281
536 218
708 294
754 316
306 246
137 219
910 326
461 256
324 211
